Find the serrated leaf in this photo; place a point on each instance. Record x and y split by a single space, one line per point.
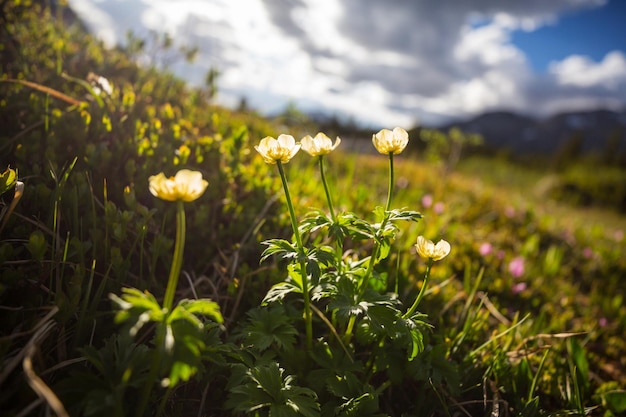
279 291
268 389
181 371
355 227
204 307
404 214
280 247
136 308
314 222
142 300
267 327
324 254
379 213
325 289
313 270
385 248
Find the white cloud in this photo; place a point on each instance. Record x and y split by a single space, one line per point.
379 61
580 71
490 44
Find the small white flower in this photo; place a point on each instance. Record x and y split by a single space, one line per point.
282 149
186 185
319 145
427 249
387 141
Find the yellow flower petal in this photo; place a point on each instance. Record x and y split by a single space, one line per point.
319 145
282 149
387 141
427 249
186 186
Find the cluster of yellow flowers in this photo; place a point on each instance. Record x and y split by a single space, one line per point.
188 185
285 147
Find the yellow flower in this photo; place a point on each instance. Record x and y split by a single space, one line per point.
427 249
186 185
319 145
282 149
387 142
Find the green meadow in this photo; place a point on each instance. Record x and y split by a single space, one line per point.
271 279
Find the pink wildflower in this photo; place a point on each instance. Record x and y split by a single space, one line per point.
485 249
516 267
427 200
519 287
587 252
439 207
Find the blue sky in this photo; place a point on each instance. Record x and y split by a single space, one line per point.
391 62
590 32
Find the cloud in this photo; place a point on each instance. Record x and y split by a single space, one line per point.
381 62
580 71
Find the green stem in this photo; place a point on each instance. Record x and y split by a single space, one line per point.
164 401
411 310
374 256
330 201
339 249
370 266
308 319
391 183
177 261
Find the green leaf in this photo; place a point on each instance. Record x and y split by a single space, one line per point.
325 289
186 355
267 388
355 227
7 180
280 247
136 309
416 337
181 314
314 222
279 291
204 307
379 213
385 248
325 255
615 401
269 326
404 214
579 358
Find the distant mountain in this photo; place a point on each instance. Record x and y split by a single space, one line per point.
505 130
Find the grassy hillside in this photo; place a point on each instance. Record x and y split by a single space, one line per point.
117 302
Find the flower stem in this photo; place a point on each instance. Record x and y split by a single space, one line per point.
411 310
383 223
308 320
177 260
370 266
330 201
391 183
339 249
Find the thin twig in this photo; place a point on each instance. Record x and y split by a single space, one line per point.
492 309
43 391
